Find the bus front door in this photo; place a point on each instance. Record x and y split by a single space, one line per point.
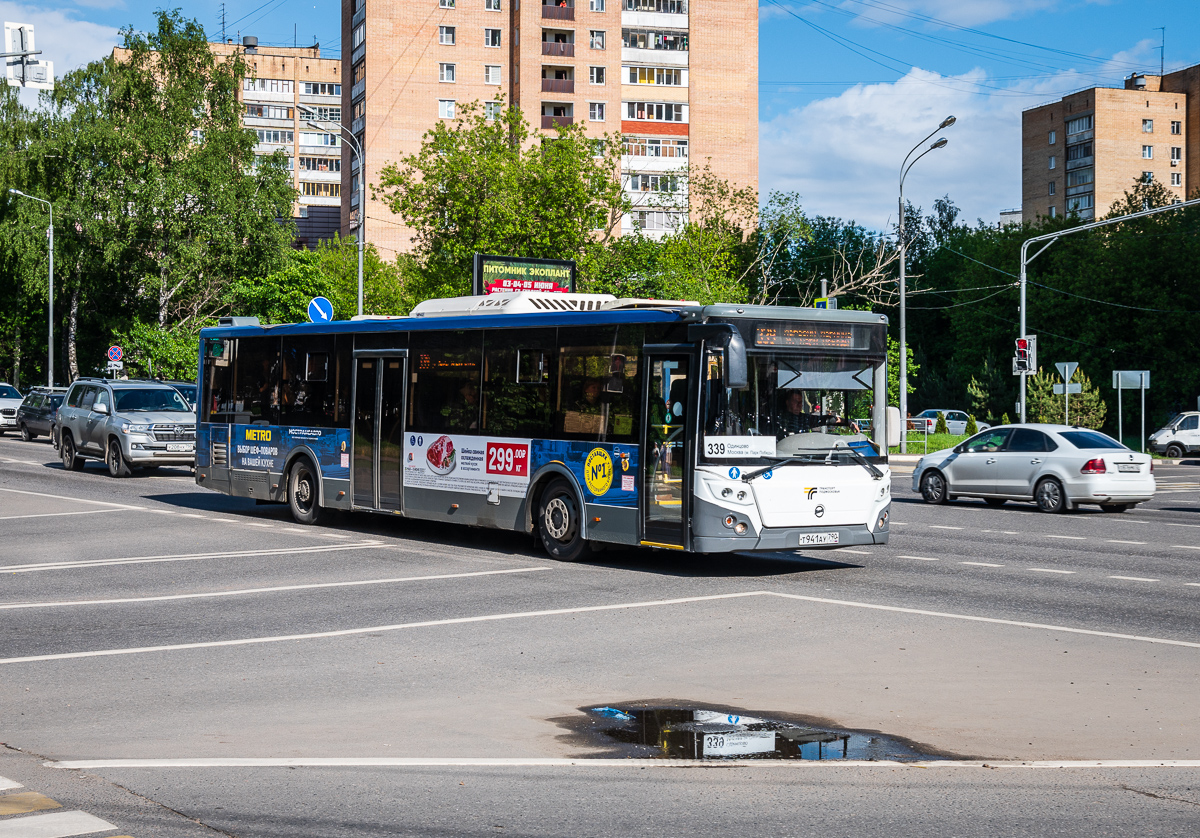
666 466
379 390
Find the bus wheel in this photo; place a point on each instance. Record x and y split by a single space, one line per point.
302 492
559 521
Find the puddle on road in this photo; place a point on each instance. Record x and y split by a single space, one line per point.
649 731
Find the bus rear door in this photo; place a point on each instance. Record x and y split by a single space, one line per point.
379 393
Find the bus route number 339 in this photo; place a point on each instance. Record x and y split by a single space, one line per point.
714 449
508 458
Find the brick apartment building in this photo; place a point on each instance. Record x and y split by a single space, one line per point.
679 78
1083 152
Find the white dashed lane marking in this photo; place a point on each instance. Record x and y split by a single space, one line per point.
940 527
1069 537
187 557
1048 570
982 564
1115 541
1133 578
53 825
920 558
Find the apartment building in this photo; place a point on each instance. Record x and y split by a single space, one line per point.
1083 152
285 88
679 78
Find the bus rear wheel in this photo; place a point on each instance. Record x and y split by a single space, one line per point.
302 492
559 523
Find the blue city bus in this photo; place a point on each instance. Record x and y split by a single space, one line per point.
584 419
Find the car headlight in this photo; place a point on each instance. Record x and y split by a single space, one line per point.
134 428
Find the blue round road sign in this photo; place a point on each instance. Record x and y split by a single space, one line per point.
115 353
320 310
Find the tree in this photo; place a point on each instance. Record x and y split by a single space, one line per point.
1087 409
940 427
893 370
972 426
991 390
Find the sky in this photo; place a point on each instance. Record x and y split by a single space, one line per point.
846 87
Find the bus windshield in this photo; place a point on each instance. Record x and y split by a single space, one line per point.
795 404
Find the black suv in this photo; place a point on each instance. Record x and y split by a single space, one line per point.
38 414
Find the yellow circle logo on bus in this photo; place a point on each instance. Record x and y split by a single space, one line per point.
598 471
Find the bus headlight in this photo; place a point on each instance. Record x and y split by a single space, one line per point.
883 519
740 529
729 521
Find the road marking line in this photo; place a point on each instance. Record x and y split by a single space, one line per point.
940 527
1048 570
74 500
6 783
191 515
54 825
1192 584
277 589
1186 546
557 762
899 523
1071 537
856 552
1007 532
26 802
486 618
187 557
982 564
918 558
1133 578
994 620
1115 541
56 514
256 524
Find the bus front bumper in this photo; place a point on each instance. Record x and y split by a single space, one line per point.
790 538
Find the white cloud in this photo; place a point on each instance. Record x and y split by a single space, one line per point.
62 37
960 12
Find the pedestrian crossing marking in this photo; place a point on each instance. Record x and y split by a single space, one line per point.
53 825
26 802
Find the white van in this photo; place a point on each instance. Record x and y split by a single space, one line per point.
1180 436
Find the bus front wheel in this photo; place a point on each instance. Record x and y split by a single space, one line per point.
303 494
559 522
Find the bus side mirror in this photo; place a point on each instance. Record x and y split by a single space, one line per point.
726 336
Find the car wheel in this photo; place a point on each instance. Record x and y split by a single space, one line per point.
117 464
25 434
559 523
934 488
303 492
995 501
1175 452
1114 507
71 461
1050 496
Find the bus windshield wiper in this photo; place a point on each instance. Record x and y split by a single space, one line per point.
746 478
867 464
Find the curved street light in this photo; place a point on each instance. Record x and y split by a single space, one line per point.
904 169
50 276
362 196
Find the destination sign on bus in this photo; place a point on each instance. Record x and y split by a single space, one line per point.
805 335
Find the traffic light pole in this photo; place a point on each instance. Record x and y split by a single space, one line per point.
1051 238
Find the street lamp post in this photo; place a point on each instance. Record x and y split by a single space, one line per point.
50 277
904 168
362 198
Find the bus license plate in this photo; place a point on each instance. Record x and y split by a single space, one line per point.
818 538
179 446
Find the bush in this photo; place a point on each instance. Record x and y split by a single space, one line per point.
1004 420
940 427
972 428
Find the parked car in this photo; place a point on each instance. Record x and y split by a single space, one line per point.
38 414
956 422
1179 437
1058 467
128 424
10 400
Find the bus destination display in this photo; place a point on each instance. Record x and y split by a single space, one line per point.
805 335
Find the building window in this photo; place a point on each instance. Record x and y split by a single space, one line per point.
269 111
1176 179
1147 152
360 35
670 7
653 183
1079 151
1080 177
1176 154
492 110
1053 162
655 111
1147 126
446 4
491 74
446 35
595 5
269 85
649 39
320 164
1176 127
1053 137
445 108
646 147
446 72
661 75
321 190
260 159
596 41
1079 203
656 220
315 88
491 5
1053 212
318 138
491 37
596 111
1082 123
327 114
266 135
596 75
1053 188
360 72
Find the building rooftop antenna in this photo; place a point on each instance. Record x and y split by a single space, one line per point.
222 23
1162 50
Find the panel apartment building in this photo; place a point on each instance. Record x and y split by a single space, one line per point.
286 87
1085 151
679 78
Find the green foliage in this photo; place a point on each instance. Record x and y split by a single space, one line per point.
972 428
1004 420
940 427
893 371
155 352
991 390
1087 409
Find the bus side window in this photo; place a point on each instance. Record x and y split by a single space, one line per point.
599 393
445 377
216 394
518 375
308 384
256 381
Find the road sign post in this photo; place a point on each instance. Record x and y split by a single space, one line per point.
1067 370
320 310
1131 380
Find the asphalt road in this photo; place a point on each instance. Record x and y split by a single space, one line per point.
155 635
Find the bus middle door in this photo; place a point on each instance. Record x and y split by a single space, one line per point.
666 450
379 392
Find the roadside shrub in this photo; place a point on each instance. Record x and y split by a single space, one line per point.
972 428
940 427
1004 420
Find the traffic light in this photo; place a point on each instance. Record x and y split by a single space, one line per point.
1026 357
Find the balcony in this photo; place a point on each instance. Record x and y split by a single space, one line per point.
549 122
553 12
558 49
558 85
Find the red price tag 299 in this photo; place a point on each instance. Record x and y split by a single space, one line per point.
508 458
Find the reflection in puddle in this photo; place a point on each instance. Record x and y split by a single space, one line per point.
706 734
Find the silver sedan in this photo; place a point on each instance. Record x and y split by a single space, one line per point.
1058 467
